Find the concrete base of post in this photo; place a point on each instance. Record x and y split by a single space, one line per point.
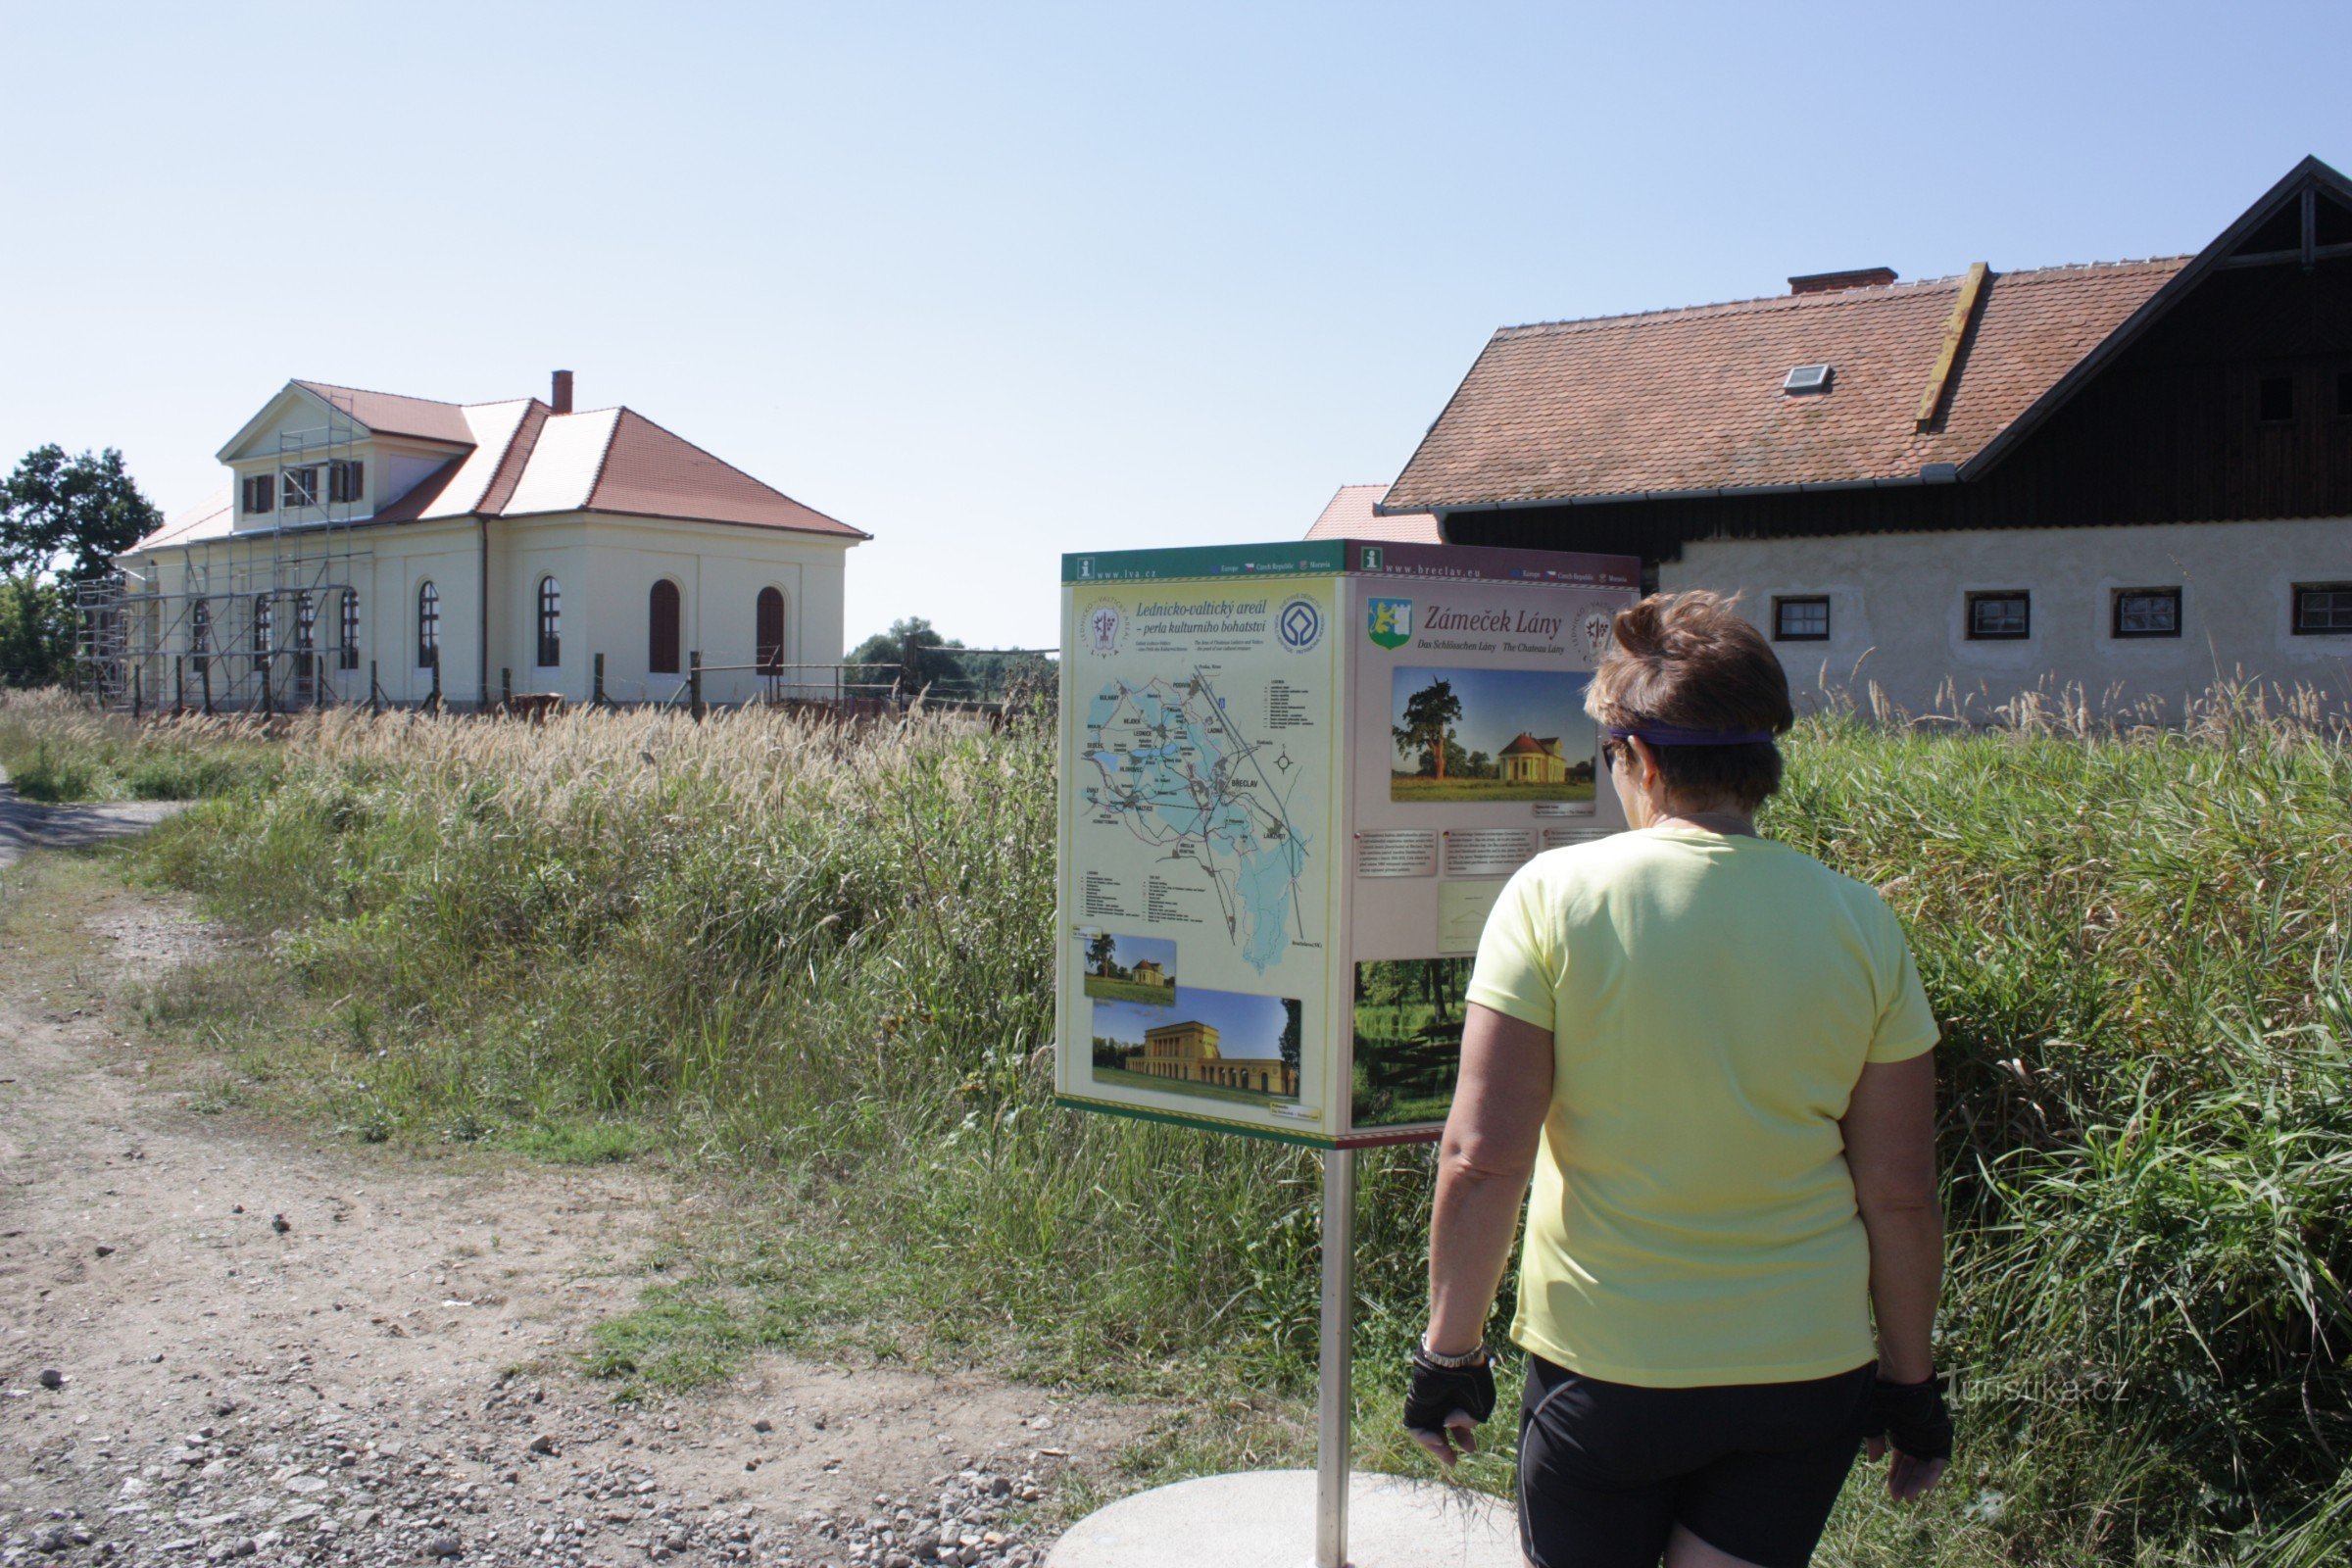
1267 1519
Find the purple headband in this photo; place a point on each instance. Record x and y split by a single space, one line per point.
1668 735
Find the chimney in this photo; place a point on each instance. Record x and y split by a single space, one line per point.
1832 283
560 399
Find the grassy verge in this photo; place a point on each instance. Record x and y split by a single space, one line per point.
816 962
57 750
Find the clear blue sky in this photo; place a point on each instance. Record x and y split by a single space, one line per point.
996 282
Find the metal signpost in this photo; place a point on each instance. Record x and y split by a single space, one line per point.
1294 777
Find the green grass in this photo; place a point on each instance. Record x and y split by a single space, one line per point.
1120 1077
58 750
1129 991
817 965
1415 787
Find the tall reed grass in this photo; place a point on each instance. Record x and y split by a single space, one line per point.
820 958
56 747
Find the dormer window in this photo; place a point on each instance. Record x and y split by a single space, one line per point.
260 493
302 485
346 480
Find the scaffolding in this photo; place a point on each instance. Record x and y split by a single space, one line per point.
261 619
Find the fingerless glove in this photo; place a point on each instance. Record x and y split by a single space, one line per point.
1911 1416
1437 1391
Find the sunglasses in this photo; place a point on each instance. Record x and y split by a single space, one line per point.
1616 752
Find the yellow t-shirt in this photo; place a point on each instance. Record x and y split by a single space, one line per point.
1712 1001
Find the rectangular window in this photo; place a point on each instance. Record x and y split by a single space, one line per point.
260 493
2274 399
2324 608
2147 613
348 657
1801 619
2005 616
346 480
302 485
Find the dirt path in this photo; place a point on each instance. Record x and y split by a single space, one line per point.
221 1341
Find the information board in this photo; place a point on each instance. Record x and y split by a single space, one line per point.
1294 778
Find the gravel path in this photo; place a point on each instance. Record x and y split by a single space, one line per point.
24 825
224 1342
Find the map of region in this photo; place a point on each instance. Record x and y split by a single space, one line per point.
1178 777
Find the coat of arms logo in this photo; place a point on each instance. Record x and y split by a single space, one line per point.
1389 622
1102 625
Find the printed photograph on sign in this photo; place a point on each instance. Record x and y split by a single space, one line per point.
1408 1039
1491 735
1125 968
1210 1045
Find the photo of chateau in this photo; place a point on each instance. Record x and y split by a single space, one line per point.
1490 735
1124 968
1529 760
1220 1044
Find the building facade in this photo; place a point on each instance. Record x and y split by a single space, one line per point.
2133 479
1188 1053
372 546
1534 759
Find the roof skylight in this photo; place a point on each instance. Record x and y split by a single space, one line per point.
1807 378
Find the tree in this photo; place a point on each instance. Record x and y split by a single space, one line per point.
1427 713
917 650
1291 1033
37 631
1099 950
87 509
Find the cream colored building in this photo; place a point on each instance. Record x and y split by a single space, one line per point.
1187 1052
365 539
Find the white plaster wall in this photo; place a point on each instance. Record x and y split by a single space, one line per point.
387 566
1899 607
607 567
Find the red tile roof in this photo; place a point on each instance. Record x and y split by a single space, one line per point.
606 460
1348 514
650 473
1691 400
390 413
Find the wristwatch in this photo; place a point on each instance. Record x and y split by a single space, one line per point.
1474 1356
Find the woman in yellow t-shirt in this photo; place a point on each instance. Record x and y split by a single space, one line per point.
1713 1056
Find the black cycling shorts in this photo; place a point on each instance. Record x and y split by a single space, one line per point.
1607 1470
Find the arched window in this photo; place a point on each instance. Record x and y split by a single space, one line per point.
770 631
662 628
428 626
306 622
550 623
261 623
348 657
200 634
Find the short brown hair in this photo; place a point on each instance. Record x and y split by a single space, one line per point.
1691 661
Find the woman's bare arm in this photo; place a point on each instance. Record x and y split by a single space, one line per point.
1499 1102
1889 1128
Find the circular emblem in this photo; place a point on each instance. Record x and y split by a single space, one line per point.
1103 625
1301 624
1593 630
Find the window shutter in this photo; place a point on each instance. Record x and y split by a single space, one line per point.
661 629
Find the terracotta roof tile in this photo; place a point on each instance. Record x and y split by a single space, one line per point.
1350 516
650 473
390 413
1692 399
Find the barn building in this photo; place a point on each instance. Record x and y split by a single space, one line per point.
369 546
2132 477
